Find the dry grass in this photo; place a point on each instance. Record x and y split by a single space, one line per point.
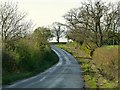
106 58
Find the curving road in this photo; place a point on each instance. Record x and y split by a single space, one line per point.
65 74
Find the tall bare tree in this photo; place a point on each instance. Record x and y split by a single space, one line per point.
118 14
92 21
12 24
58 30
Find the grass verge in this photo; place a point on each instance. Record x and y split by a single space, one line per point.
102 70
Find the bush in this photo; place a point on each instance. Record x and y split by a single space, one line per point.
8 62
30 54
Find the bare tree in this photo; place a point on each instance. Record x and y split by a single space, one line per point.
118 24
118 14
58 30
12 24
92 20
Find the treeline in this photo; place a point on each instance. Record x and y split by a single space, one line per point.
94 23
24 53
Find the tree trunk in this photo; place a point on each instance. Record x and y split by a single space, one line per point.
96 35
101 35
58 39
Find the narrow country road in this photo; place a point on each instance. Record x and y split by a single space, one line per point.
65 74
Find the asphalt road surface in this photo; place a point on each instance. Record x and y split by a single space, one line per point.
65 74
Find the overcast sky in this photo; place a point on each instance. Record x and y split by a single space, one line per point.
45 12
